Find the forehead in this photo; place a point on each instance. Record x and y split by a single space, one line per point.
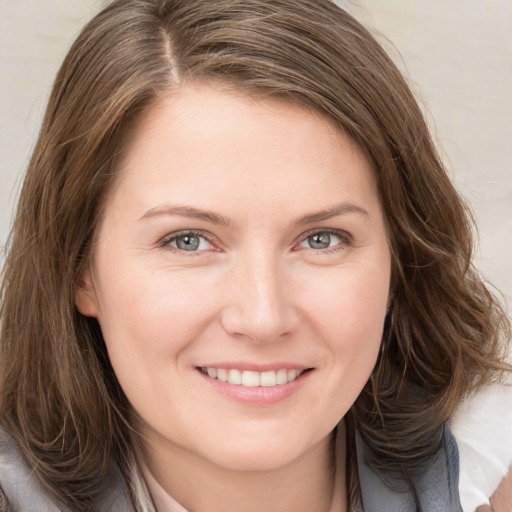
226 142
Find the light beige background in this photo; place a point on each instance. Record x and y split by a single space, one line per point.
457 55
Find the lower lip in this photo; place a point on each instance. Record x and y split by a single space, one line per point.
259 395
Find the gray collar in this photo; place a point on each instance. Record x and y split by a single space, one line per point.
437 485
24 492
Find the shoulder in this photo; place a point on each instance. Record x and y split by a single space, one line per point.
475 455
23 492
21 488
436 486
482 427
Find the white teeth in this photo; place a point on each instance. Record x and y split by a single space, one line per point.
235 377
252 379
282 376
292 375
268 379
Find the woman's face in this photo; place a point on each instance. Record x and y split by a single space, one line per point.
244 240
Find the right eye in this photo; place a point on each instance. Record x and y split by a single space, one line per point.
188 241
321 240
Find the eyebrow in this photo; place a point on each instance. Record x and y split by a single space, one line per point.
188 211
215 218
339 209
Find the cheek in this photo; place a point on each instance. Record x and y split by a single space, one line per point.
348 312
148 319
350 301
353 324
148 326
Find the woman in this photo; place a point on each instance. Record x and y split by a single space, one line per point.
239 277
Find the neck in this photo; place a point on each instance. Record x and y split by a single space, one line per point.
303 485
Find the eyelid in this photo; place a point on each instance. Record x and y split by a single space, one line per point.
346 238
165 241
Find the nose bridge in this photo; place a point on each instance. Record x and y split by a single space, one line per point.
260 306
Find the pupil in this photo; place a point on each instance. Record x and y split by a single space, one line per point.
320 241
188 243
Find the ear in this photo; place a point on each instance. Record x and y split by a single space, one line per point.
86 299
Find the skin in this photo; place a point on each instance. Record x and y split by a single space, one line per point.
501 499
270 175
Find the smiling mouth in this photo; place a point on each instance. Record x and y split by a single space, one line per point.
252 379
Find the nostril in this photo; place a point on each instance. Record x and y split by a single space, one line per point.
259 326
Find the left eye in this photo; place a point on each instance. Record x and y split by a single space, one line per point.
321 240
189 242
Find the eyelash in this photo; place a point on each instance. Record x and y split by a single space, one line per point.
167 240
346 240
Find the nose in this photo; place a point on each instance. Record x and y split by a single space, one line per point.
260 305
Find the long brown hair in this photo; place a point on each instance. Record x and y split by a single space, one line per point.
445 332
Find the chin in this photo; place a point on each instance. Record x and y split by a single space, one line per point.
262 454
254 460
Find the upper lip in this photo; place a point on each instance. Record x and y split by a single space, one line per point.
255 367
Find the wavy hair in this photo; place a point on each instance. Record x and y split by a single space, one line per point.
445 333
